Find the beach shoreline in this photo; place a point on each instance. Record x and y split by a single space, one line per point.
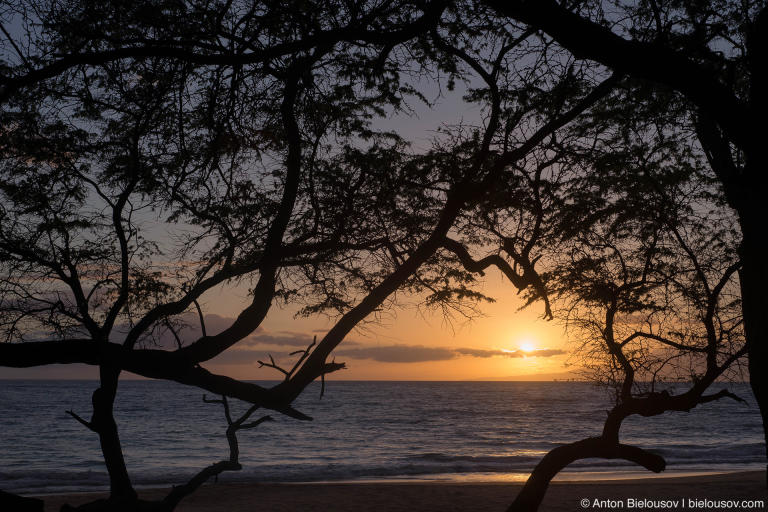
708 492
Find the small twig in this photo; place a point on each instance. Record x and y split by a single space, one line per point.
87 424
245 415
15 46
223 402
288 373
173 331
723 393
256 423
274 365
305 354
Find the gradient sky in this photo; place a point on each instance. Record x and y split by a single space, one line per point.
409 344
412 344
433 349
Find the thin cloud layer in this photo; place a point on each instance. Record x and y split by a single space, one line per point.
541 352
283 338
399 353
239 356
421 354
187 328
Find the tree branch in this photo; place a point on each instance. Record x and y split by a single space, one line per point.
556 460
86 424
589 40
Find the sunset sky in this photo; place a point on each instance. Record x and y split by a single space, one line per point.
485 348
407 344
477 350
411 344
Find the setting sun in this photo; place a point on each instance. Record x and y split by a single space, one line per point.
527 346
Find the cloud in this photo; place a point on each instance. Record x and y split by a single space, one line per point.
187 327
239 356
284 338
479 352
421 354
399 353
287 339
541 352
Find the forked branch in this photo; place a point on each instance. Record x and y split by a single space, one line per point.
214 470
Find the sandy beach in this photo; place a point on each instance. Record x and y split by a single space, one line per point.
480 497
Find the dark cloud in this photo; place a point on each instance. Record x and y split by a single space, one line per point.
281 338
239 356
420 354
187 328
479 352
399 353
287 339
214 324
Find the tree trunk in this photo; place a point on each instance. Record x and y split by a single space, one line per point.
103 422
752 216
754 294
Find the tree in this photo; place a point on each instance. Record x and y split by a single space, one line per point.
85 153
713 55
250 138
644 272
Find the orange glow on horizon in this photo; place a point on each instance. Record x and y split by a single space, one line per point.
499 344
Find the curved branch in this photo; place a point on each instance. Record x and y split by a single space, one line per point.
556 460
529 278
589 40
662 340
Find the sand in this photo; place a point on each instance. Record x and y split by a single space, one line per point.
452 496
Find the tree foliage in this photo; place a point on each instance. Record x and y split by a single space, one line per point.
154 151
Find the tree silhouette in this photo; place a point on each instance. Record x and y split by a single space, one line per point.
643 271
247 132
245 135
713 55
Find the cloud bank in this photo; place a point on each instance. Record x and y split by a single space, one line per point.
421 354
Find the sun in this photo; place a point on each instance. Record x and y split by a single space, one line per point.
527 346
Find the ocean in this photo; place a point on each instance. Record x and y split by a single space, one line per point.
470 431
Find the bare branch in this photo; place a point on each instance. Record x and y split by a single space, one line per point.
723 393
86 424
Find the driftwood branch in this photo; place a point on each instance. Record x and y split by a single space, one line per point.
179 492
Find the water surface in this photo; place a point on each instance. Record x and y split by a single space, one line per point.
361 430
